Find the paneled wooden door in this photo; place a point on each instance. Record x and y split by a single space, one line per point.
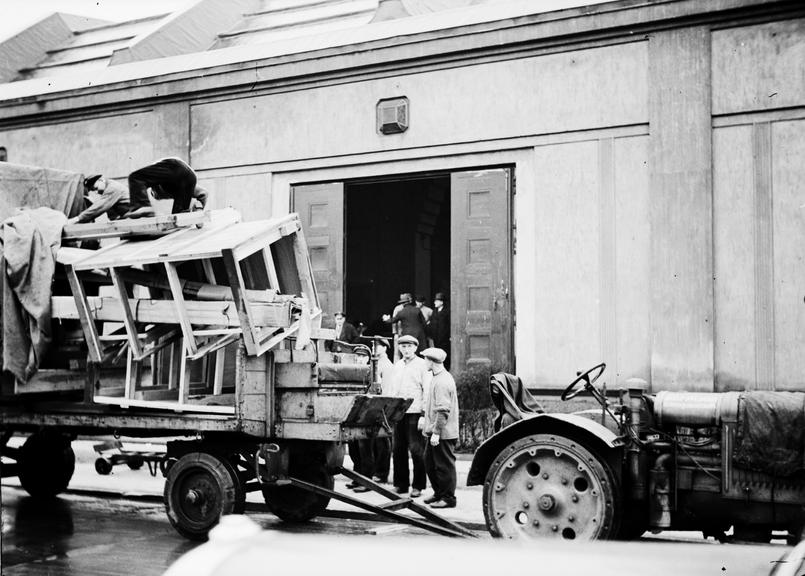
481 302
321 210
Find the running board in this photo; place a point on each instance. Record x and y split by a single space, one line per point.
430 520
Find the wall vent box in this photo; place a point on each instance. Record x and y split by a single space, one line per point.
392 115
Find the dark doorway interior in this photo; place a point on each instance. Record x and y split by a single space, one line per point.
397 240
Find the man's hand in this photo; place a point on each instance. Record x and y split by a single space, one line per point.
420 424
434 440
73 220
386 318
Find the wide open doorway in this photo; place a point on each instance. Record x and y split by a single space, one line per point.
397 240
371 239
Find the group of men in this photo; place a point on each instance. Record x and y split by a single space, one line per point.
428 432
168 178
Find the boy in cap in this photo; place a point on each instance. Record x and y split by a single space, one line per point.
409 381
440 427
113 200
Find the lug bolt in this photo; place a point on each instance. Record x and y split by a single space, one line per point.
545 476
530 486
574 498
525 504
536 522
564 481
555 528
571 518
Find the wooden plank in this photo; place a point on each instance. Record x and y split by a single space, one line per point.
156 225
305 271
51 381
201 313
218 377
215 345
178 298
209 272
184 377
273 279
165 405
84 315
128 319
241 304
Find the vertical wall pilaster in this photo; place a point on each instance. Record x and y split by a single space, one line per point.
681 210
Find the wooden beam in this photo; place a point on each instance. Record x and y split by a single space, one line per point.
241 304
150 311
128 319
84 314
181 309
156 225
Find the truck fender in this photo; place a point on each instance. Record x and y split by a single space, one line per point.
572 425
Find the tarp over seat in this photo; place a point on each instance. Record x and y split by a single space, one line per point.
771 432
512 400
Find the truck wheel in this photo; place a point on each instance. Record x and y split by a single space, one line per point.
293 504
103 466
547 485
46 464
199 489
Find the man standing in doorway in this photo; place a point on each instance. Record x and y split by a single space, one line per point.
345 333
439 327
426 310
409 381
441 431
410 321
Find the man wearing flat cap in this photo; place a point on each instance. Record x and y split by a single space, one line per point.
440 428
112 200
409 320
409 381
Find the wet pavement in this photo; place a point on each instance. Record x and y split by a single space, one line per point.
102 535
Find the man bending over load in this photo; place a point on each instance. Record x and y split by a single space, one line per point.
167 178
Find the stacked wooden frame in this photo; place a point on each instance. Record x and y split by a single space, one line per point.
192 295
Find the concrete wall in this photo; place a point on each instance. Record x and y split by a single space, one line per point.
659 199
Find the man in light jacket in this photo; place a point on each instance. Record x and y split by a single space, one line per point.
440 427
410 380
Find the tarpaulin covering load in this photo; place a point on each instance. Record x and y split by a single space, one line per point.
27 259
33 187
771 432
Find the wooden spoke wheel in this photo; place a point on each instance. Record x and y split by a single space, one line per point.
293 504
199 489
46 464
547 485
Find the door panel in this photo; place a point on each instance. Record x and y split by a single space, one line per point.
480 303
321 210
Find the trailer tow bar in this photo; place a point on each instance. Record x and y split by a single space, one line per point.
430 520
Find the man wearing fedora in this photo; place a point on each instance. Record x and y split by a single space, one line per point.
439 326
112 200
440 428
409 320
409 381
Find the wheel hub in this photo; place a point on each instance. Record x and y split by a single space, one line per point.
546 502
552 488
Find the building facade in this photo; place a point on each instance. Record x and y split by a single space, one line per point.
620 182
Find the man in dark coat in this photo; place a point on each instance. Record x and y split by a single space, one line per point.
439 327
167 178
344 333
410 320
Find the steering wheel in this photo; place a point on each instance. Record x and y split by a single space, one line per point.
588 381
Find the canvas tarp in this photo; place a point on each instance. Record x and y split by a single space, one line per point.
771 432
30 239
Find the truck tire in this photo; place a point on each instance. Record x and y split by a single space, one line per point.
293 504
548 485
200 488
46 464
